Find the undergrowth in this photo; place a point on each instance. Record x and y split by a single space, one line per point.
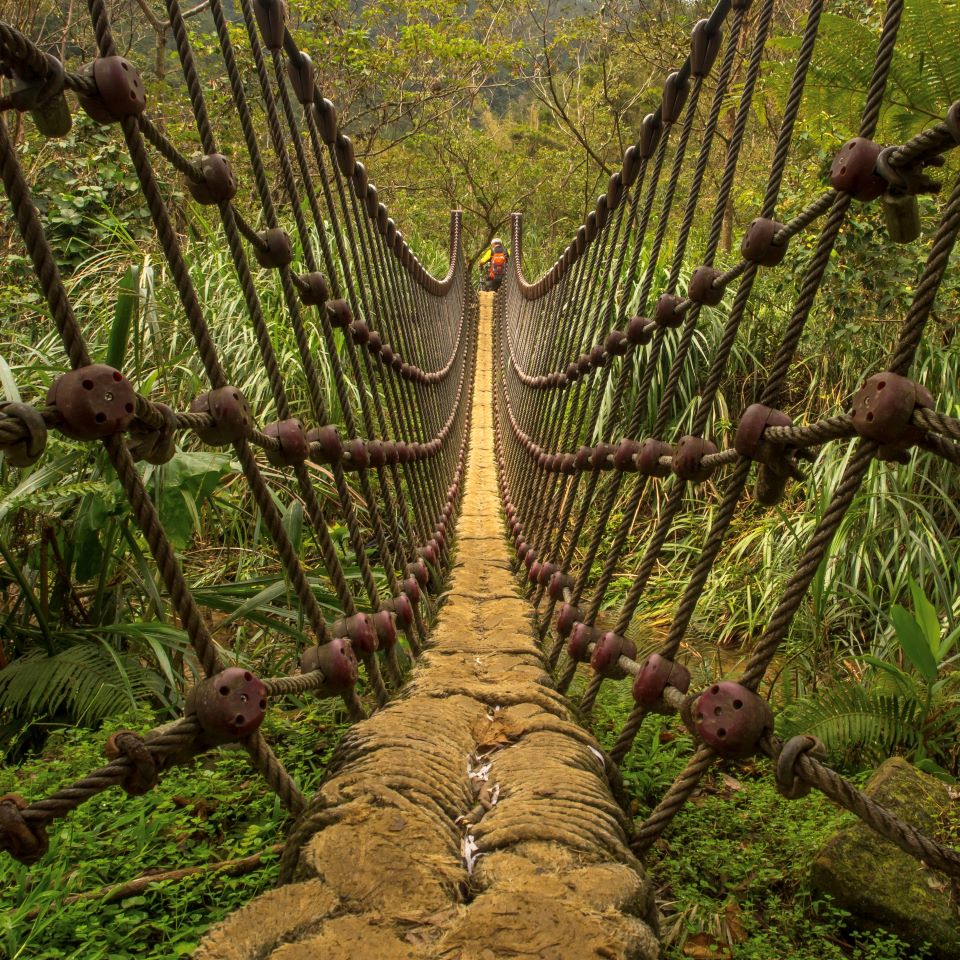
216 810
732 871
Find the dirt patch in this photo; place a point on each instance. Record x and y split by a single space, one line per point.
472 818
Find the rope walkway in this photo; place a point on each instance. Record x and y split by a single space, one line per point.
514 789
471 809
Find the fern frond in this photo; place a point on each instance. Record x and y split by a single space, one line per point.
83 683
854 720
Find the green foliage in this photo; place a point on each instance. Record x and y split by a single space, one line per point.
217 809
732 878
909 702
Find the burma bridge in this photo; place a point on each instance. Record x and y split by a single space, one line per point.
499 448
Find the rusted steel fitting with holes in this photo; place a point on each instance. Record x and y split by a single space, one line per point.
701 288
274 250
602 211
418 570
325 444
558 583
411 589
92 402
758 246
346 157
156 445
271 20
749 442
385 624
614 190
568 616
731 719
655 675
625 455
581 459
602 455
359 630
650 129
301 73
230 413
120 91
616 344
688 459
578 643
338 664
228 705
630 167
359 332
25 452
218 184
649 456
882 411
675 92
665 313
640 330
360 180
325 114
546 571
372 201
704 48
376 455
608 650
355 454
402 608
313 289
854 170
294 447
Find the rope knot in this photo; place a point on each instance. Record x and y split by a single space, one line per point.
142 775
788 785
29 428
23 841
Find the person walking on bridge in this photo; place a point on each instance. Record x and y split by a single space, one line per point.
493 265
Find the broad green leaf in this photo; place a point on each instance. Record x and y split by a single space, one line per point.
293 523
926 616
188 480
7 382
913 643
120 330
903 681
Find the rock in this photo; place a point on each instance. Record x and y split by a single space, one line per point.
879 883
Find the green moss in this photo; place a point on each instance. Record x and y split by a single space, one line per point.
881 884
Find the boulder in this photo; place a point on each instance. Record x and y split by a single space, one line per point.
880 884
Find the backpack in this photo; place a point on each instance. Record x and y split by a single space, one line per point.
498 264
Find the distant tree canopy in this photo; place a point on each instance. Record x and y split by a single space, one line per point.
527 106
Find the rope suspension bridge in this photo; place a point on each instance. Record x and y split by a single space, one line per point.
469 812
